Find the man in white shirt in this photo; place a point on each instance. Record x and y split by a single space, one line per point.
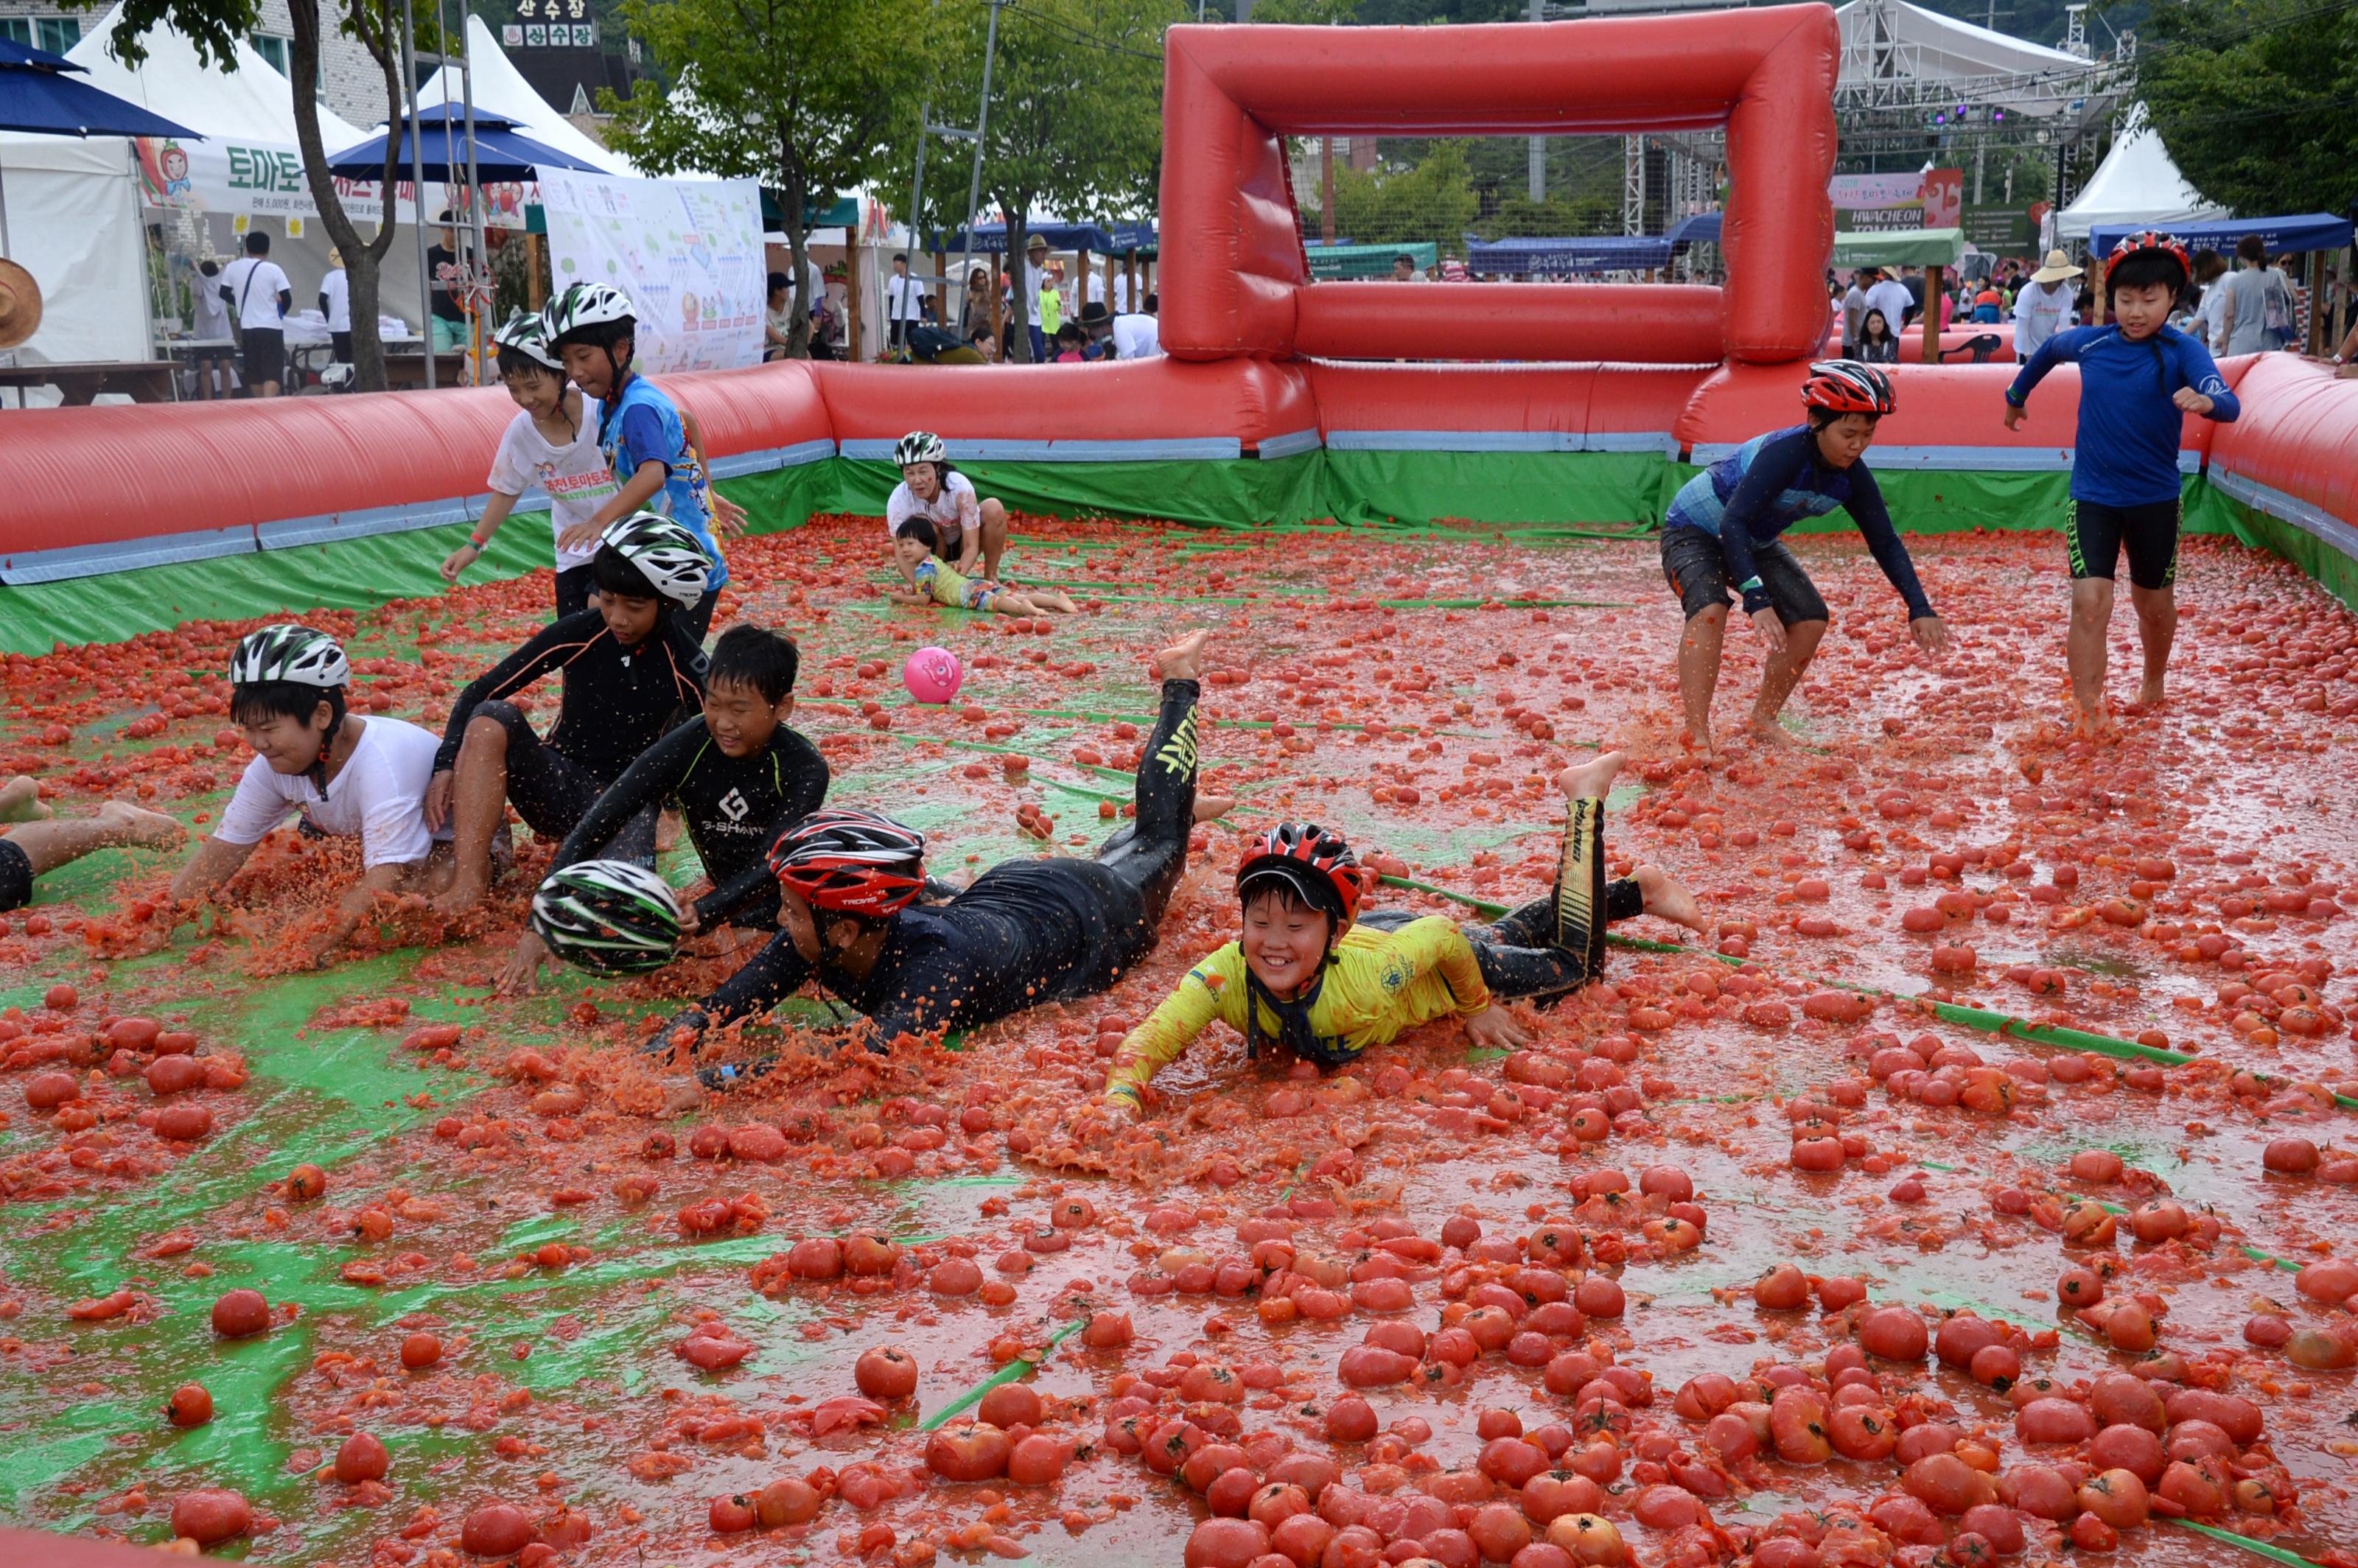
1889 296
1125 337
1854 313
258 295
904 301
2042 306
1035 267
1122 292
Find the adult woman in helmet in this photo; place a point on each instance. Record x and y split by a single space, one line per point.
971 529
1313 975
1722 534
347 777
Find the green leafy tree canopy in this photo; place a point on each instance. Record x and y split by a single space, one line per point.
2258 101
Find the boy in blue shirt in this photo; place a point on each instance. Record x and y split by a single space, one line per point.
2138 378
593 331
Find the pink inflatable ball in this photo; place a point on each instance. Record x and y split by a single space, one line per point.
933 674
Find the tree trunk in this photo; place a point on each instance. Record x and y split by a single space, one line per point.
793 206
361 260
1019 341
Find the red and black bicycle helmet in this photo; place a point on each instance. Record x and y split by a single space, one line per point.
1314 862
1847 386
2148 242
852 862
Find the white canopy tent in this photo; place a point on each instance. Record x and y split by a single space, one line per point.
2136 185
500 89
73 223
1892 49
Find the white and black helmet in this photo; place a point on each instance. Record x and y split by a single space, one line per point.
289 653
586 305
610 917
667 555
526 332
919 446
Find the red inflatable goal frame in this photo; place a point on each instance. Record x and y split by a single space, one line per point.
1234 280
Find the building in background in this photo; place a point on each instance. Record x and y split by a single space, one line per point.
349 82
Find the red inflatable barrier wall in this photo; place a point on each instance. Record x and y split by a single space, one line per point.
2299 433
1577 400
1635 322
760 408
1234 279
1139 401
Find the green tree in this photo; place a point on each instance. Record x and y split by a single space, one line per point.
212 27
804 95
2258 101
1076 120
1434 201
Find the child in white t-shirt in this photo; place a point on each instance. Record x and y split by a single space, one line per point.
972 529
548 443
348 777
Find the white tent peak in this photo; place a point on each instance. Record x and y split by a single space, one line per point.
1937 47
251 103
500 89
2137 185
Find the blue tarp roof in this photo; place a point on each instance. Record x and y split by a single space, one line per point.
1702 229
2301 231
1609 252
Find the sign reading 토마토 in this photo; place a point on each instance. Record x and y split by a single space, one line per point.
265 179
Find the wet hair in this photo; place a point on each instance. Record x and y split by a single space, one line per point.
922 530
2143 270
258 702
1284 893
758 657
1819 418
606 335
613 573
257 244
2252 248
515 362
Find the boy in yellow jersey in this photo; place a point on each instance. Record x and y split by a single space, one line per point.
1316 977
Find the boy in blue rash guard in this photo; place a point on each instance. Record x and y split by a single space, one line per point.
1722 532
2138 378
655 465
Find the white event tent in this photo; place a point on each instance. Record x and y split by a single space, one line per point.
2137 186
499 88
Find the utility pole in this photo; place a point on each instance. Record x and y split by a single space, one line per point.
1539 144
926 130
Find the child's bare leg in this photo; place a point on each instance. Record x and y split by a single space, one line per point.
1006 601
1182 660
61 841
994 536
1699 650
1782 674
20 801
1592 780
1666 898
2091 616
2156 614
1054 598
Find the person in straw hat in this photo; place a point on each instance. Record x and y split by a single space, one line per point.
2042 308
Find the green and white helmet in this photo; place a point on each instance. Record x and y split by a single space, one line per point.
526 332
919 446
585 305
670 558
610 917
289 653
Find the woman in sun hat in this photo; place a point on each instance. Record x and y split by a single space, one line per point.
2044 306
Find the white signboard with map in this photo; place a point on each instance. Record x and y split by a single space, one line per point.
688 253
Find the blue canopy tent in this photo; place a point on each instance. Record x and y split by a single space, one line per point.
1549 257
991 238
37 94
2301 231
501 153
1139 237
1702 228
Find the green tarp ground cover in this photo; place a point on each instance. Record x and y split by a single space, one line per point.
1370 489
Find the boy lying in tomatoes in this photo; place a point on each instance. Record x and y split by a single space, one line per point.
1325 981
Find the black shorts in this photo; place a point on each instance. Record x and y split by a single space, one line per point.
1696 569
549 790
15 877
265 355
2096 531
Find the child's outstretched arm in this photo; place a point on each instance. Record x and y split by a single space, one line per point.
1172 1027
2205 392
495 511
2063 348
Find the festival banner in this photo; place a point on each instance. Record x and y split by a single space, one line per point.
1880 203
266 179
688 253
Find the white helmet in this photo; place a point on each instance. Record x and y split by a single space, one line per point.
669 556
527 333
919 446
289 653
585 305
611 917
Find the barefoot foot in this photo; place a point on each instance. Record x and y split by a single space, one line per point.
2096 724
1664 897
462 899
1769 732
1182 659
1592 779
2149 695
1208 806
128 824
1699 748
20 801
